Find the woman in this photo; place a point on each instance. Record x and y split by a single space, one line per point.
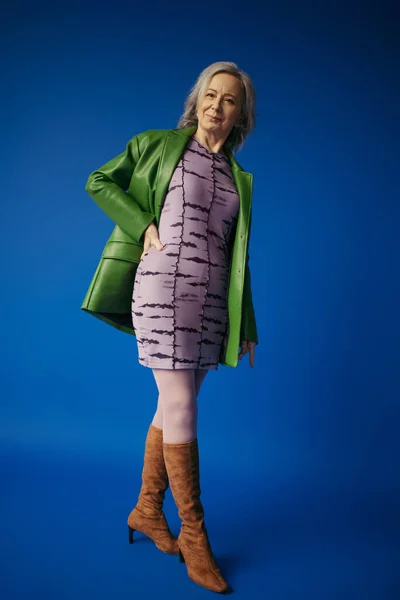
182 287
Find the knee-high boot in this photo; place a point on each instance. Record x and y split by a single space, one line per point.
182 463
147 516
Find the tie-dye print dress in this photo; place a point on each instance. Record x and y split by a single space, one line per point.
179 301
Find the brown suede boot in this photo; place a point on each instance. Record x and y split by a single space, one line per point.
147 516
182 462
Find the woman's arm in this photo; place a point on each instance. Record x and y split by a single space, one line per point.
107 185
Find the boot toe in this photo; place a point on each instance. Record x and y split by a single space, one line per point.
156 528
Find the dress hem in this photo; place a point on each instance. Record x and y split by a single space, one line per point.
177 367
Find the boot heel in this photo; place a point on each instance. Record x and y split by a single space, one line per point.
130 530
181 558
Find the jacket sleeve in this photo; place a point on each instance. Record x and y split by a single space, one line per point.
107 185
248 328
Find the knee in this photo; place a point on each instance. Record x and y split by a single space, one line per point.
180 409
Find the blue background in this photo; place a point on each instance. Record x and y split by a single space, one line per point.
299 456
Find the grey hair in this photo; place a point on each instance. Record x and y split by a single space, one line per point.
247 119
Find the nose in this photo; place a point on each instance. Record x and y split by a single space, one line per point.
216 105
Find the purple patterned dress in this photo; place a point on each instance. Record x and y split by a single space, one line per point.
179 301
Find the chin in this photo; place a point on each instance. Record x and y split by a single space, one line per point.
209 125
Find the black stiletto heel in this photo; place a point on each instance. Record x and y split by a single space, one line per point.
131 530
181 558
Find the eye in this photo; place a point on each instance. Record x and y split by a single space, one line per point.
230 100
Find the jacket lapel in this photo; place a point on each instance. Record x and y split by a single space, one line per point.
174 146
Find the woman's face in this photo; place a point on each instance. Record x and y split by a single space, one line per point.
223 100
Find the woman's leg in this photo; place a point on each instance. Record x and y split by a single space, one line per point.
181 457
158 415
199 376
179 393
178 400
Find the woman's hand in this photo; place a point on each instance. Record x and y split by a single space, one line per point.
151 239
247 347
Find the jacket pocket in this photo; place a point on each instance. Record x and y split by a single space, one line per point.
123 251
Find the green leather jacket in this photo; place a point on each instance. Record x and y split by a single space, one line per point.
130 189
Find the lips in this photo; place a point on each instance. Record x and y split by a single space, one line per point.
213 118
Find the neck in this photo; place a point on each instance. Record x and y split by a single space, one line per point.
212 142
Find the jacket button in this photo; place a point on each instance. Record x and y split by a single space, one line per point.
238 270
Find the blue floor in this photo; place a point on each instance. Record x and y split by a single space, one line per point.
64 536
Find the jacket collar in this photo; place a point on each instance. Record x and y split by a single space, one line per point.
174 146
187 132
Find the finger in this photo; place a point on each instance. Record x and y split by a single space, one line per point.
155 241
251 355
243 350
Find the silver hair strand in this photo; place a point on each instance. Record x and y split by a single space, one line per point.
247 120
